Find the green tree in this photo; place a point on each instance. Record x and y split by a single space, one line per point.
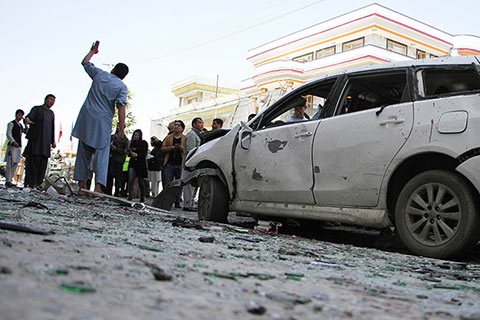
130 119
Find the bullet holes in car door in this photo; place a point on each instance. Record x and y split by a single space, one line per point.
274 163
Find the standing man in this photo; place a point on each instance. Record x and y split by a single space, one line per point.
14 148
94 122
192 140
217 123
173 147
41 138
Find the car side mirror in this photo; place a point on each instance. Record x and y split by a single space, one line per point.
245 139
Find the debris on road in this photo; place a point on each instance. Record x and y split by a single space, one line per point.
120 261
20 228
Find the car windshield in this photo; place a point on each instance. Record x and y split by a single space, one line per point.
311 100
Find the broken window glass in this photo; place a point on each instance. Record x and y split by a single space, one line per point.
314 97
365 92
439 82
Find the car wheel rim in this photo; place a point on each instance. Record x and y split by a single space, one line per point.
433 214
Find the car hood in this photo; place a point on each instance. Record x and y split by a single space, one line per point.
217 150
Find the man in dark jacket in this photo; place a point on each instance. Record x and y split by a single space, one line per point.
41 138
155 164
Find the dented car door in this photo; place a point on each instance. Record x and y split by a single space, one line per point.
353 149
277 164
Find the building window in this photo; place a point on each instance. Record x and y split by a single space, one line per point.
325 52
191 100
396 47
421 54
354 44
305 58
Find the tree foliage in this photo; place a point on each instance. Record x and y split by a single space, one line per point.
130 119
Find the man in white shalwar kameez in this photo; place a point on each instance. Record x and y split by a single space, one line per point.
14 148
94 122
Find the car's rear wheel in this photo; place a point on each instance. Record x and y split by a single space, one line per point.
436 214
213 199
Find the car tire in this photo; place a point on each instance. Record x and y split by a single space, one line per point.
436 214
213 200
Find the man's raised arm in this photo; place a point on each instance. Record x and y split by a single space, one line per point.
93 51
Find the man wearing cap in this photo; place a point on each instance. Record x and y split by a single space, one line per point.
94 122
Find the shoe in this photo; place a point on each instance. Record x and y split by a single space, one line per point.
142 200
190 209
129 198
177 205
9 184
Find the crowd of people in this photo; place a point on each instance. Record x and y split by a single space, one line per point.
122 167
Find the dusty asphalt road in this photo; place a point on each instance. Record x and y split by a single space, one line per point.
103 260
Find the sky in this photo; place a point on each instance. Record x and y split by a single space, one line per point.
43 43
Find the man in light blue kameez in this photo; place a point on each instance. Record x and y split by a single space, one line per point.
94 122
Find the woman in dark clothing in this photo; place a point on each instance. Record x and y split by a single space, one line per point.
137 167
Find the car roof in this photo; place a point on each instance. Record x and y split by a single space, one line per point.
441 61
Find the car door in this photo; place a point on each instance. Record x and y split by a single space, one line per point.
353 148
277 166
274 163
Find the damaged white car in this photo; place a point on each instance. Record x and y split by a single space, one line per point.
388 145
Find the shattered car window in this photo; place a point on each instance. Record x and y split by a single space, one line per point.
314 98
373 91
439 82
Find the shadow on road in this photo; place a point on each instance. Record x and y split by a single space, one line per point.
385 240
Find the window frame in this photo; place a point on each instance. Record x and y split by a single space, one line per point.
347 80
421 51
305 55
420 85
327 48
399 44
284 104
351 41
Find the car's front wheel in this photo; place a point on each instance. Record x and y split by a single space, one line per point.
213 199
436 214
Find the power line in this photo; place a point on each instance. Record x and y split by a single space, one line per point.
231 23
221 37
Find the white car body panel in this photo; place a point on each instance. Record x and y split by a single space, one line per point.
278 164
471 169
353 151
219 152
339 168
426 137
364 217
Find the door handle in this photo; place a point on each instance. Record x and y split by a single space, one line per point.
305 134
393 121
